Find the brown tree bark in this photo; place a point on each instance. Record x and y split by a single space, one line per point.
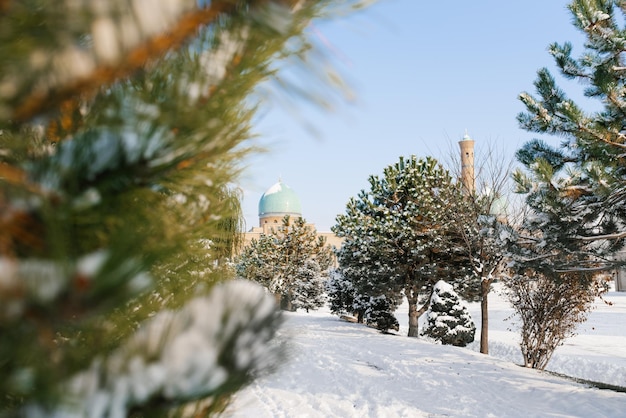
485 285
414 313
411 298
413 317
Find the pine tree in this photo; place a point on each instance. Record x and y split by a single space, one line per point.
398 238
309 286
364 273
259 261
448 319
378 313
292 262
122 128
575 222
344 298
341 294
574 190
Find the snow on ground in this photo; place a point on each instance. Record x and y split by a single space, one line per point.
340 369
597 352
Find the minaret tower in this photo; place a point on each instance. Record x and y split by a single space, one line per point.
467 163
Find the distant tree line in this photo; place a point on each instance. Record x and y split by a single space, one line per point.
292 262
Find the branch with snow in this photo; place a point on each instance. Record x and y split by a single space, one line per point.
217 341
31 282
118 47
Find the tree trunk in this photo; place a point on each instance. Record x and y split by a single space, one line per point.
423 309
285 302
411 297
485 285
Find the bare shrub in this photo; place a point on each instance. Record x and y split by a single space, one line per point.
550 308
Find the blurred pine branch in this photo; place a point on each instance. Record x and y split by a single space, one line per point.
123 125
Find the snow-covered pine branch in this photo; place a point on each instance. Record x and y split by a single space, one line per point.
211 343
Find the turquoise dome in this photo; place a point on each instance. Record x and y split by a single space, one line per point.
499 206
279 199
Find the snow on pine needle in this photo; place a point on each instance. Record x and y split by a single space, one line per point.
212 342
448 319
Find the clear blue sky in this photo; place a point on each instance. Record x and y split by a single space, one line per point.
422 73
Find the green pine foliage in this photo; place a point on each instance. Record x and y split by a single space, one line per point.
341 294
309 286
573 190
576 221
399 237
378 314
292 262
122 130
448 319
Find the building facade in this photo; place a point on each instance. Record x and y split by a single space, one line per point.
277 202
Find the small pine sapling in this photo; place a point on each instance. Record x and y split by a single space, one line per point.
448 319
379 314
341 293
308 292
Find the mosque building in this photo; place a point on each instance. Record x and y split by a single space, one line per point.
277 201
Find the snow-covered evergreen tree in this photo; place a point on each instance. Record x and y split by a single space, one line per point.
574 190
309 287
259 260
340 292
448 319
576 220
378 313
399 239
292 262
122 128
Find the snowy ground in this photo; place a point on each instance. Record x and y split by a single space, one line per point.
597 352
340 369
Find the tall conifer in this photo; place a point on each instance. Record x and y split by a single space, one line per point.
576 190
292 262
576 222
